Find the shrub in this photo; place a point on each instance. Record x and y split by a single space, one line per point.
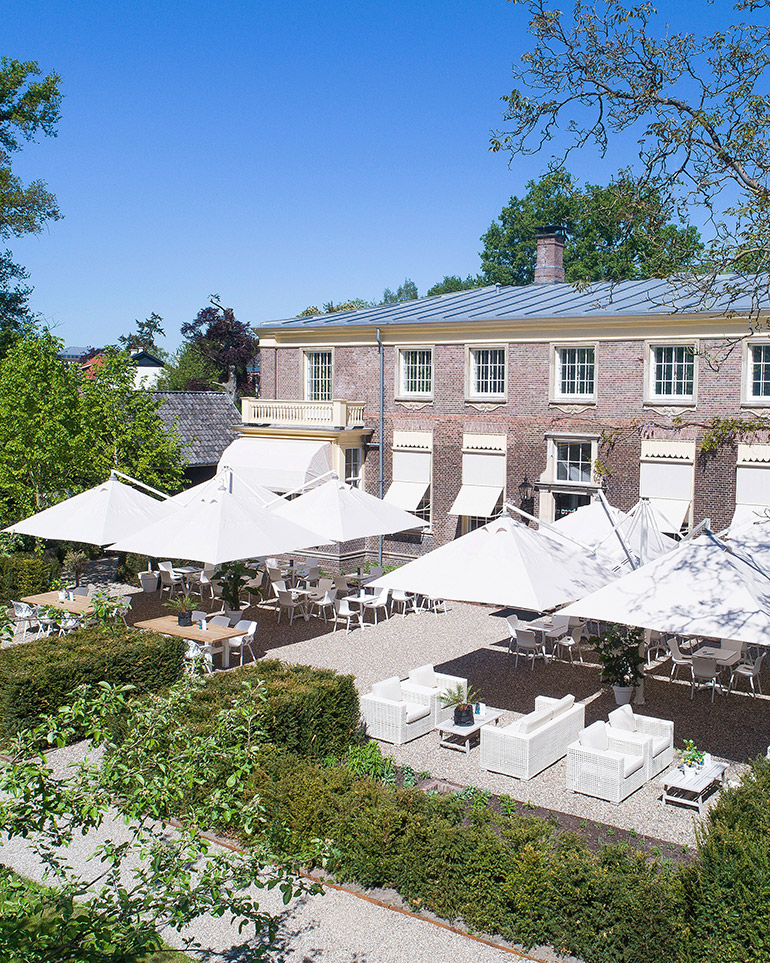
39 677
25 575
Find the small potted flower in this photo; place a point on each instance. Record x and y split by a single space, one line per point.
692 757
462 702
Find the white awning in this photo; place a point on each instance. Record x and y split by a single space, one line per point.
670 513
746 515
406 494
477 500
280 464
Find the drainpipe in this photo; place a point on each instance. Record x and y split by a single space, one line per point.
382 418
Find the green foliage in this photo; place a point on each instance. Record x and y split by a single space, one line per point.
692 755
39 677
727 431
368 760
144 338
22 575
109 610
458 696
232 577
404 292
453 282
605 239
189 370
619 654
16 319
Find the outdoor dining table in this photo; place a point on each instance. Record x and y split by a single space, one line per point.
78 605
722 657
211 635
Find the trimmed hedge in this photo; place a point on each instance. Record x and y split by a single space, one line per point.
25 575
38 677
311 712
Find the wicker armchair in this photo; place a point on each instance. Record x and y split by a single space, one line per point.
658 733
534 742
426 686
389 717
604 763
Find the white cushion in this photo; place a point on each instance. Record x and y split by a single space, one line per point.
425 675
563 704
594 737
415 711
660 744
388 689
534 720
623 718
631 764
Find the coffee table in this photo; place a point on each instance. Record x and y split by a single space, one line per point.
685 789
451 736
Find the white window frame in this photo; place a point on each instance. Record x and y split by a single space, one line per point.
401 390
550 485
651 363
748 398
557 362
306 354
353 477
471 389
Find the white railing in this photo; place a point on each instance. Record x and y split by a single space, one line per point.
326 414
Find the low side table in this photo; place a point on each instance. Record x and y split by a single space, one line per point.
451 736
686 790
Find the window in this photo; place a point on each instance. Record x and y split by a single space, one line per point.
666 479
353 467
759 385
673 371
423 509
567 502
318 376
487 371
575 372
483 479
412 473
573 461
416 372
472 522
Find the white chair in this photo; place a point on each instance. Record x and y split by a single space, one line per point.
206 580
245 641
311 576
531 744
376 571
654 642
658 733
169 579
560 626
391 716
323 604
377 603
69 623
324 584
24 617
677 659
513 626
344 612
434 604
704 672
405 600
750 672
426 686
527 644
605 763
342 585
291 605
569 642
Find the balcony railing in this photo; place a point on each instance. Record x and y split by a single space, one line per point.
313 414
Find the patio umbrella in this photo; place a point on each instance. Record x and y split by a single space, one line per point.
703 588
503 563
236 484
219 526
98 516
341 513
639 529
590 524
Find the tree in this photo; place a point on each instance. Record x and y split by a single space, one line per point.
188 370
226 343
15 316
145 336
453 282
404 292
331 308
605 238
698 107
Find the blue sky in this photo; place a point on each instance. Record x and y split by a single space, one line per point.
279 154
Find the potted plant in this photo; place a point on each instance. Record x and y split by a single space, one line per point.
692 757
59 586
182 605
232 577
621 660
75 562
462 702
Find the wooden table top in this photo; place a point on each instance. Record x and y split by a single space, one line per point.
168 625
79 605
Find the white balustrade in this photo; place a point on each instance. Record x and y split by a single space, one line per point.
331 414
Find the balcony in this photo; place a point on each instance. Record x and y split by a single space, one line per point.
303 414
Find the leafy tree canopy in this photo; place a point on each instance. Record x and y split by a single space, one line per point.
331 308
606 239
188 370
227 344
698 106
15 317
145 336
404 292
453 282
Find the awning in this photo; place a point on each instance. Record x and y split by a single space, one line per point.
748 514
670 513
406 494
280 464
477 500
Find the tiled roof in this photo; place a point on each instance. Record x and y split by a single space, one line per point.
503 302
205 420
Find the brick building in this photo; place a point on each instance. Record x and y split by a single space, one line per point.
535 395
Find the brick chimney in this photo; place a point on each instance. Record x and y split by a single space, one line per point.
549 268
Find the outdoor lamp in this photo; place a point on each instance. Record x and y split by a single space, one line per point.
526 491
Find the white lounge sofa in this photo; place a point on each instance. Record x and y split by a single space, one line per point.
426 686
657 733
531 744
392 715
605 763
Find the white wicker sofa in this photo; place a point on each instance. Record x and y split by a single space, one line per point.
531 744
426 686
658 733
605 763
392 715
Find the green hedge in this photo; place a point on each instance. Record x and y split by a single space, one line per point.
39 677
309 711
25 575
